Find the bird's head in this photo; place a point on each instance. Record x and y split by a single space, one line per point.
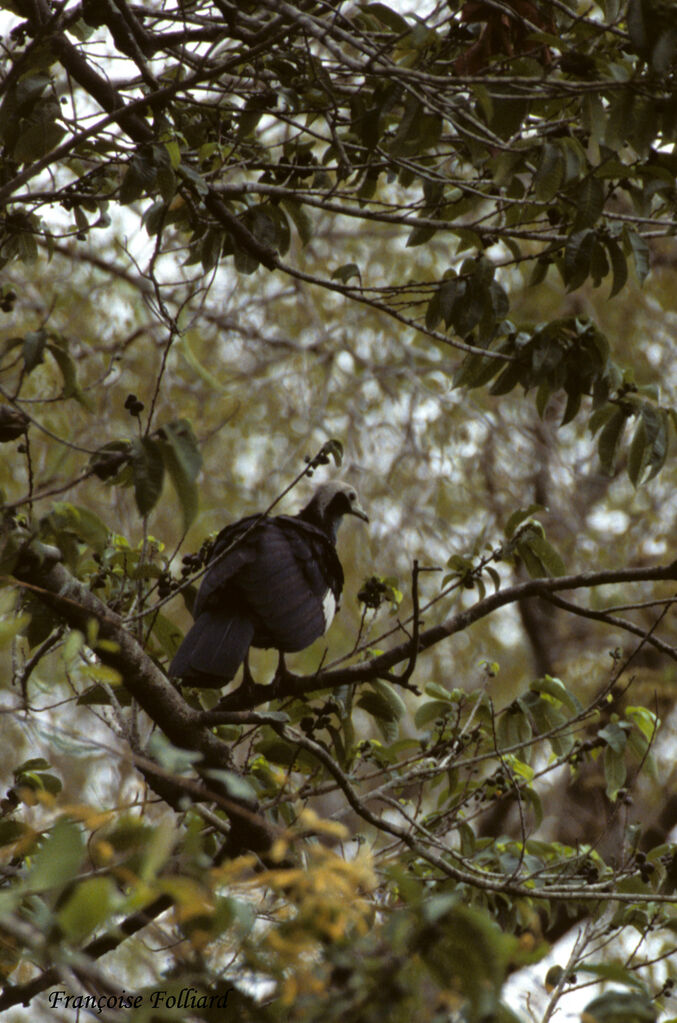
330 502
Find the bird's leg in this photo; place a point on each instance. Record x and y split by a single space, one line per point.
248 684
281 669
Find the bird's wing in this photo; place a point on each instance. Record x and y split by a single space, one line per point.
286 585
242 539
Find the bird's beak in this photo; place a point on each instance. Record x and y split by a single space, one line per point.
357 510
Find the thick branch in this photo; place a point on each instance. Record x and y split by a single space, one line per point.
616 622
24 993
298 686
135 126
182 725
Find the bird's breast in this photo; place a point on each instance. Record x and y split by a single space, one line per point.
328 608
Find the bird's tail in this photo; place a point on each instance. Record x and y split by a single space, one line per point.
213 649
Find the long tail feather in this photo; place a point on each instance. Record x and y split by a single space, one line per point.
213 649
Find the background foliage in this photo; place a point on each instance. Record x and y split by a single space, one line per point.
430 245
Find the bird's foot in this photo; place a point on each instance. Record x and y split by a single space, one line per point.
281 669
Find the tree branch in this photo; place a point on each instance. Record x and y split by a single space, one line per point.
183 726
289 685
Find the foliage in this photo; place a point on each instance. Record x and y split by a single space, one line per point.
230 234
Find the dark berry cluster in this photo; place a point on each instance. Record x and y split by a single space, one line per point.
13 423
322 718
373 592
7 301
313 463
332 449
645 868
165 585
133 405
190 563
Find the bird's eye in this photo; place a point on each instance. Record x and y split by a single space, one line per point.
352 495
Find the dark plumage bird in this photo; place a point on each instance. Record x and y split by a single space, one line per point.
272 583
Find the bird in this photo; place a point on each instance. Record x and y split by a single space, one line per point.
271 582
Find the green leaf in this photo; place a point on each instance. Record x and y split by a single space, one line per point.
470 306
58 859
35 775
111 459
574 397
556 688
12 831
420 235
589 199
549 557
614 736
539 556
645 720
183 461
391 19
594 116
382 701
85 523
167 634
33 764
71 387
494 576
139 177
301 218
375 704
345 272
33 349
463 948
514 727
639 453
533 799
88 906
610 440
613 971
539 271
547 717
39 132
333 448
449 294
211 247
639 248
476 371
235 784
513 374
507 113
263 225
600 416
9 629
615 772
649 446
548 177
637 27
431 710
518 517
99 695
621 1007
245 262
531 562
148 470
577 257
599 264
619 265
405 140
438 692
